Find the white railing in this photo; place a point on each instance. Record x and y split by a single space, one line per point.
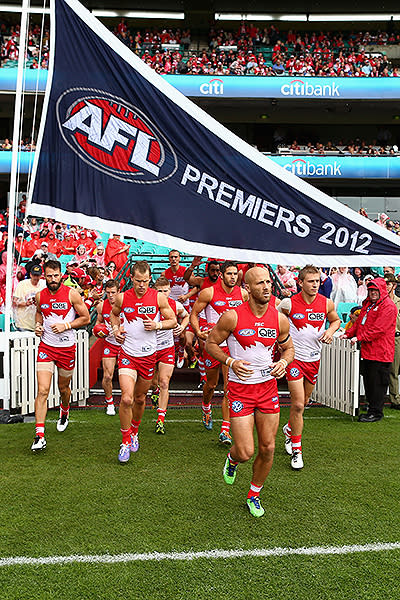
23 349
338 384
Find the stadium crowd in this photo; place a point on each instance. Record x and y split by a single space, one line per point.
248 51
355 147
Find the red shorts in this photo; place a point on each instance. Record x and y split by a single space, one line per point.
166 356
299 369
212 363
144 365
110 350
63 358
244 399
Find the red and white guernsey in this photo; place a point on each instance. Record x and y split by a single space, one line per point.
55 308
307 324
206 284
105 312
165 337
221 302
139 342
253 340
178 285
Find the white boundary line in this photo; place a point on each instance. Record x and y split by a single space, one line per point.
209 554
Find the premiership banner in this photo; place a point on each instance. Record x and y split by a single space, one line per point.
122 151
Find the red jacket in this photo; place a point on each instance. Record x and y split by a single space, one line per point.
376 326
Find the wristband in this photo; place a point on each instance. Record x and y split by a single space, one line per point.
67 325
229 361
159 325
282 360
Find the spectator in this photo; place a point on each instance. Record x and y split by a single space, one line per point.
353 316
375 328
391 284
344 287
24 299
117 252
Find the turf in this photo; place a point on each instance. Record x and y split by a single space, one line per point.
75 498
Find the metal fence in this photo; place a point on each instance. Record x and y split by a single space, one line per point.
338 384
23 349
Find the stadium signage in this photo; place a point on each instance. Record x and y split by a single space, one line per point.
297 87
214 87
304 168
114 136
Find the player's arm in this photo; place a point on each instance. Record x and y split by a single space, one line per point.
38 317
115 321
334 323
245 294
285 306
220 332
286 348
99 309
169 321
192 292
202 301
81 310
188 274
183 319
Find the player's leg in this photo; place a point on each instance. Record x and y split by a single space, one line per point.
208 392
64 387
154 388
108 373
44 374
200 361
127 380
190 349
267 427
297 404
225 436
165 374
243 447
142 386
181 350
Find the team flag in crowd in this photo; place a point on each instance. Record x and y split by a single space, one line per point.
122 151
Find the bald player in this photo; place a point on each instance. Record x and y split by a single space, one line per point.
251 331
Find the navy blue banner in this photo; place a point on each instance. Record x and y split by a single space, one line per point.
123 151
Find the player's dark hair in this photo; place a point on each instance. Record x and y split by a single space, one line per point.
307 270
227 264
211 263
173 250
111 283
52 264
161 282
141 266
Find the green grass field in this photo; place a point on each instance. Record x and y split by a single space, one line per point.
76 499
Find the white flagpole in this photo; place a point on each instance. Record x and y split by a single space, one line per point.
13 198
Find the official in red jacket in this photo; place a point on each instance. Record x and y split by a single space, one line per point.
375 328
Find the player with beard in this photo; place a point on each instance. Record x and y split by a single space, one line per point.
59 311
201 283
251 331
307 312
214 301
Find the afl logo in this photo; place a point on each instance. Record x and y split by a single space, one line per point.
45 306
113 136
219 303
298 316
246 332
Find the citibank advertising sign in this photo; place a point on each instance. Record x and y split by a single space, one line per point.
234 86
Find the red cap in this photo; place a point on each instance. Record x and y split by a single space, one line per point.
78 273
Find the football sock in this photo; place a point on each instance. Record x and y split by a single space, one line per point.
161 414
296 443
126 436
225 426
135 427
39 429
206 408
254 490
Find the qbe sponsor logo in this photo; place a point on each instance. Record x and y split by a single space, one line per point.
114 136
316 316
267 332
214 87
147 310
298 87
234 303
59 306
237 406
